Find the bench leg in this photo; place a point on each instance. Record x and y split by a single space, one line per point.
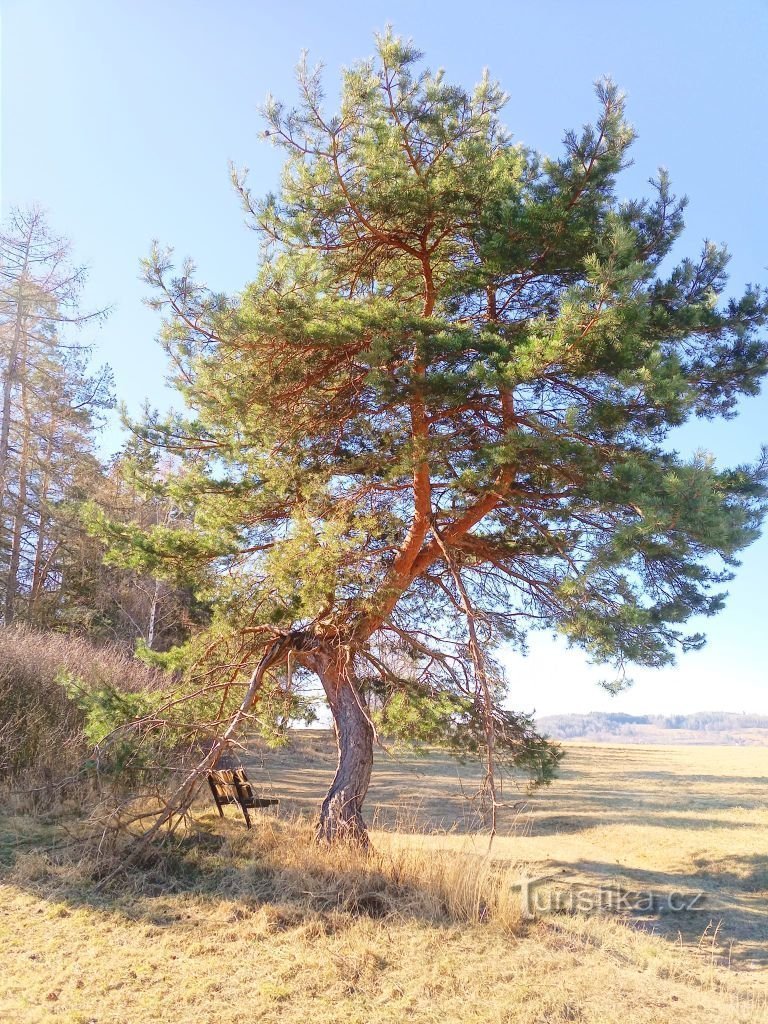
243 793
216 798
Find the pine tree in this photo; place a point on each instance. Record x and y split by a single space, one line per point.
440 416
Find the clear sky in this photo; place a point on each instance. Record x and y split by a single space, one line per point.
120 116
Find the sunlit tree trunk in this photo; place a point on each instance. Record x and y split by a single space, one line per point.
42 554
152 625
341 814
19 517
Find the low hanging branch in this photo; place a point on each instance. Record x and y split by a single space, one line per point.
481 676
181 799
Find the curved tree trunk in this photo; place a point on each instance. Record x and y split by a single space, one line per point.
341 815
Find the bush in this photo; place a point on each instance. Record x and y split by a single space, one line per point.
42 728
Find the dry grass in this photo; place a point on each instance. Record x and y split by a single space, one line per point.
643 819
40 729
265 926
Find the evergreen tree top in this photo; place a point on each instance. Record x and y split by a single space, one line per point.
455 345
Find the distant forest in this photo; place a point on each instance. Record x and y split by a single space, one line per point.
706 726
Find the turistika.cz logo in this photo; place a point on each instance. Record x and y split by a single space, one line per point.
537 901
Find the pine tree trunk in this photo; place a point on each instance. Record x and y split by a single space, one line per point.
19 520
153 616
9 383
341 816
41 561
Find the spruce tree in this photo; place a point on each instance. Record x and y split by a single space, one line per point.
441 413
50 408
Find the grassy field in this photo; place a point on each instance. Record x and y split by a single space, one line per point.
263 926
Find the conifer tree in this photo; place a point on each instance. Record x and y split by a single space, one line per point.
440 415
50 406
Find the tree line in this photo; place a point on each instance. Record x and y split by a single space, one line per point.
52 406
617 723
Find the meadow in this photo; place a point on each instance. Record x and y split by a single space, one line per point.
431 925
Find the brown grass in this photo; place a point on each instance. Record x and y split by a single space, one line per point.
627 819
40 729
233 925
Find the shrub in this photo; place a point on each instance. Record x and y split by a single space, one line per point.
42 728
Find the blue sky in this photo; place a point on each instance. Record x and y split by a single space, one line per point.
120 118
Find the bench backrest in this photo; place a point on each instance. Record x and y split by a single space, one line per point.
230 785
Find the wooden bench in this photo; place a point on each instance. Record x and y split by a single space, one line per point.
231 786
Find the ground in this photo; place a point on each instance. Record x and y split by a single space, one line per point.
260 926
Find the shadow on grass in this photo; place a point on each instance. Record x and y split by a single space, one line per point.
575 821
721 907
219 868
222 872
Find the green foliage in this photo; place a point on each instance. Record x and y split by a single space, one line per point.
106 712
105 708
279 710
177 659
416 718
457 724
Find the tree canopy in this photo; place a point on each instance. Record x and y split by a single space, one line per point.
441 414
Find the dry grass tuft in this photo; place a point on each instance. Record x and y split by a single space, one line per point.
280 862
40 728
385 881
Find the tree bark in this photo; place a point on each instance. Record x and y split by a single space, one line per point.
41 561
341 816
19 520
9 383
153 616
